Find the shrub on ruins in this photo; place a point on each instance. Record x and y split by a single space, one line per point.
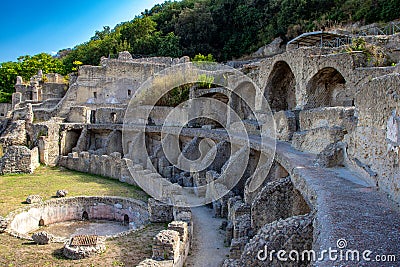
375 55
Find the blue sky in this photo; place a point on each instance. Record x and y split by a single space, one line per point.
32 27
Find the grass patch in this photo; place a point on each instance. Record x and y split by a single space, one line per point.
45 181
124 251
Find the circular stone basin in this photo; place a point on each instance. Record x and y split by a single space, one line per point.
65 217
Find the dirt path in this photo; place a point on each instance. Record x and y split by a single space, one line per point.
208 248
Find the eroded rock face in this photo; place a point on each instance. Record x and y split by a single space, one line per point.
34 199
61 193
42 238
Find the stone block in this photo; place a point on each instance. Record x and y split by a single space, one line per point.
327 117
78 114
42 238
181 227
316 140
61 193
160 212
285 123
166 246
331 156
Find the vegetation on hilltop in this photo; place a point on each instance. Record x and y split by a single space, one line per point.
224 28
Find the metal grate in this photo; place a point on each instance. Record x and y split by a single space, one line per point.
84 240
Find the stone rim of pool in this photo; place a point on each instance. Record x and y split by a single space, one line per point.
26 220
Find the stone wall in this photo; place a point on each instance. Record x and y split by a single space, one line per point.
46 136
19 159
112 166
4 109
171 246
15 134
110 115
373 147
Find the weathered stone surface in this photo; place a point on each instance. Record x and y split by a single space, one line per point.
42 238
328 117
19 159
160 212
285 125
237 246
277 200
316 140
14 134
34 199
166 245
181 227
372 147
294 233
331 156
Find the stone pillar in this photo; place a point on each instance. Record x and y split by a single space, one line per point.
35 93
16 99
43 150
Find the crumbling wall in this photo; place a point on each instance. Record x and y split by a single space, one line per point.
171 246
19 159
292 234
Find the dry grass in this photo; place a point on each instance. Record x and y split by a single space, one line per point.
124 251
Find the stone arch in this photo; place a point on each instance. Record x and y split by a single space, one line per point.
280 90
126 219
326 89
85 216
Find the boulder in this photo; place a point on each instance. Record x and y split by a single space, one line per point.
34 199
42 238
61 193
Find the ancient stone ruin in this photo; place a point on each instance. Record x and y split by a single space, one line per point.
333 173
